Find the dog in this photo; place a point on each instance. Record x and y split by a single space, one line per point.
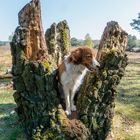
72 71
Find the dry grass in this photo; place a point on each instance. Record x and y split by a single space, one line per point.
9 127
5 59
126 123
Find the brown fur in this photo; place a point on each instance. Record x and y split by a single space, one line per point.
82 55
71 72
61 68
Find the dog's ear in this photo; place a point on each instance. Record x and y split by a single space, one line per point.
76 56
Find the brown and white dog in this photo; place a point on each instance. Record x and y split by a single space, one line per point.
72 71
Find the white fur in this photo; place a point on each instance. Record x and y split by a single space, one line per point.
71 79
95 62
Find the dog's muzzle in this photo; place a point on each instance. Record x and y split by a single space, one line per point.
95 64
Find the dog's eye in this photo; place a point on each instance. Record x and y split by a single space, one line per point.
88 56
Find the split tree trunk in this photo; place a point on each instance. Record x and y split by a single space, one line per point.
97 94
34 76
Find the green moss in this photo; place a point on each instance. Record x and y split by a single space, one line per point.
104 74
65 39
50 39
114 50
94 122
46 65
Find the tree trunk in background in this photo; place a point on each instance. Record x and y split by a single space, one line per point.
58 40
34 76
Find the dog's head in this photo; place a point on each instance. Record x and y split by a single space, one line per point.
84 56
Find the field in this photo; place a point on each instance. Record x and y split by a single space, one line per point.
126 123
9 127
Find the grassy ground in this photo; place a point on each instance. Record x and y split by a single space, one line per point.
5 59
9 127
126 123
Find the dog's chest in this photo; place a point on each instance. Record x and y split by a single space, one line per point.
73 74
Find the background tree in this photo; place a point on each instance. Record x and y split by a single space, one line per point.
133 42
76 42
3 43
88 41
136 23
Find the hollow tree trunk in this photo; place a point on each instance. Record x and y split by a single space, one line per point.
34 70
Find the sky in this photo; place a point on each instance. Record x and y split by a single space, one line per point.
83 16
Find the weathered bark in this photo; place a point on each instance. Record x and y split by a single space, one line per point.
38 104
34 69
96 99
33 34
58 40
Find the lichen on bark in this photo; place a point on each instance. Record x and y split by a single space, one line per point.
58 40
34 69
34 76
96 100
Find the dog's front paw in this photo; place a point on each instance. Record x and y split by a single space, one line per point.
68 112
73 108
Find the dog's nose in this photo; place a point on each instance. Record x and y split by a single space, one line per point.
96 63
98 66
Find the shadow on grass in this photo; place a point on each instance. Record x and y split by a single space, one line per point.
5 108
130 99
5 81
10 128
129 105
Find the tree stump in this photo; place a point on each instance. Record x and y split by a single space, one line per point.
97 94
38 100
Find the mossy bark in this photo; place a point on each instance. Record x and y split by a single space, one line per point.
58 40
34 71
97 94
34 75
